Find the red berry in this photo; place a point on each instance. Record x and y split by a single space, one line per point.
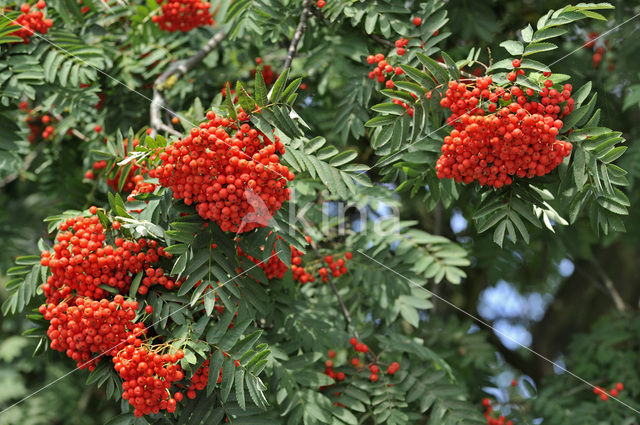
321 3
332 354
97 128
183 16
619 386
373 377
149 310
417 21
516 63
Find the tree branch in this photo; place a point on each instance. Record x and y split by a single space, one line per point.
74 132
608 284
297 36
177 69
382 41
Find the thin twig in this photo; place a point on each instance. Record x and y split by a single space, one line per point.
177 69
74 132
382 41
608 283
25 165
297 36
343 307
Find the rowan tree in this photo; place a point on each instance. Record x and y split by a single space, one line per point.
296 211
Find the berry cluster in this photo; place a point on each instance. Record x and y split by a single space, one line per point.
400 46
614 392
337 267
148 376
31 21
275 268
384 70
492 144
183 15
81 261
359 347
199 381
268 74
299 272
382 67
231 172
500 420
36 123
599 49
84 326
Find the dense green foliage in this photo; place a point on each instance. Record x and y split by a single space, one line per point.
356 156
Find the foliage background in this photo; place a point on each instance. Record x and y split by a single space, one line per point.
559 281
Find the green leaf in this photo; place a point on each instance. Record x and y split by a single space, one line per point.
418 76
513 47
228 373
245 344
527 34
498 234
538 47
389 108
261 89
246 101
229 101
239 379
278 86
234 334
581 94
548 33
215 364
434 68
135 284
613 154
291 88
533 64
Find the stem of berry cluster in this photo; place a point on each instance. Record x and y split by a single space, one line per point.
343 307
297 36
178 69
345 312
